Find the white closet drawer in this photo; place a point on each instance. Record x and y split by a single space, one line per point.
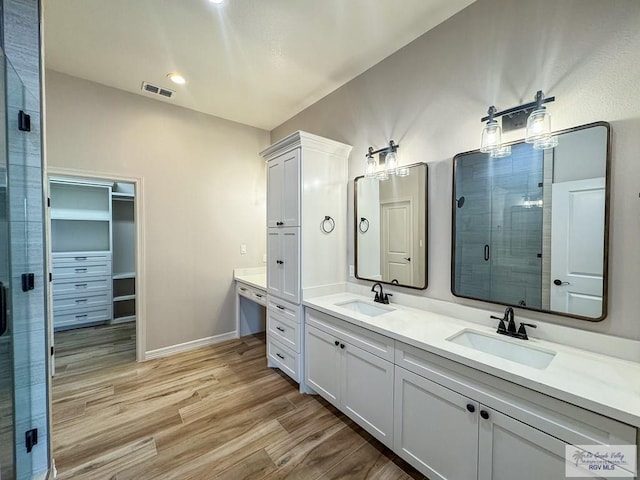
78 258
284 330
77 318
82 301
288 310
254 294
81 286
284 358
75 271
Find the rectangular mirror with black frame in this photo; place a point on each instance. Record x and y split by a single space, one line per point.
531 229
391 228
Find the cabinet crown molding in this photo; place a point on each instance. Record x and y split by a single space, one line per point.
306 140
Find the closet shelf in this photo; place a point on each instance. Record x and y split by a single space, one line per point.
127 318
123 298
80 216
124 276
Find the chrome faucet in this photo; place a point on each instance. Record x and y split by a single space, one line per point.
510 328
380 297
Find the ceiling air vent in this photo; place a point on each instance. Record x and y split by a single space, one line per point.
156 90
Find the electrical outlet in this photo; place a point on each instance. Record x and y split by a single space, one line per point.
352 272
243 249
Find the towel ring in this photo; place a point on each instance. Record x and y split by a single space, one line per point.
363 226
328 224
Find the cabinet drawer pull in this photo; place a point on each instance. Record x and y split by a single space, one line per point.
80 258
281 356
82 300
81 270
471 407
484 414
82 316
258 295
243 289
280 307
81 285
280 329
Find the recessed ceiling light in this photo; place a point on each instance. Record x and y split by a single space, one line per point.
177 78
217 2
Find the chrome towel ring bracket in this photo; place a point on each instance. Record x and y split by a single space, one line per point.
328 224
363 226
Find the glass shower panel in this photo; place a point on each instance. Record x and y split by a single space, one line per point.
27 332
7 419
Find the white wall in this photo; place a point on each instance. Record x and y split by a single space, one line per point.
204 195
429 97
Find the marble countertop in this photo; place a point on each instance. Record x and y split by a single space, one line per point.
600 383
255 277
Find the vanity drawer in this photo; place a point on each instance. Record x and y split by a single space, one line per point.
79 301
77 318
284 358
567 422
76 270
284 330
81 286
285 309
254 294
372 342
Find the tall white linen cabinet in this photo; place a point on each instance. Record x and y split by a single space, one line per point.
306 237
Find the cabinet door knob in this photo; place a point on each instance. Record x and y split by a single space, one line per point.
471 407
337 343
279 262
342 345
484 414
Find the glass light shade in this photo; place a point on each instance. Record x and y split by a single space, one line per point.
391 162
491 137
370 169
538 125
545 143
402 172
381 170
501 152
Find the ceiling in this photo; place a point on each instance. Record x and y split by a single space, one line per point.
257 62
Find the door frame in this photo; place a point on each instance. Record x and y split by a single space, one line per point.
141 284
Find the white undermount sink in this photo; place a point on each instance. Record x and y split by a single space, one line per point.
364 308
507 348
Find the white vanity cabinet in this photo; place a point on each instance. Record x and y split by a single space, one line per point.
306 230
500 430
283 183
343 365
283 254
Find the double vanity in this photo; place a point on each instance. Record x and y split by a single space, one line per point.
458 401
436 381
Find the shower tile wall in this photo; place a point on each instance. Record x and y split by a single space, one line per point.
496 213
21 43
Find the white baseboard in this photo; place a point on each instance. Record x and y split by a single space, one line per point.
184 347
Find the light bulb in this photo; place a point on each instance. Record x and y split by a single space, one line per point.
391 162
177 78
370 169
538 125
491 137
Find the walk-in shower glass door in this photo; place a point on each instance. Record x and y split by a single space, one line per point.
7 457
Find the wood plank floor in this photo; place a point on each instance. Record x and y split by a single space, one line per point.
216 412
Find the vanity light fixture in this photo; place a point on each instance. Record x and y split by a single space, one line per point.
538 130
387 163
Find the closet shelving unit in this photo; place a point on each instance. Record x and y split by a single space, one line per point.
81 252
124 276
